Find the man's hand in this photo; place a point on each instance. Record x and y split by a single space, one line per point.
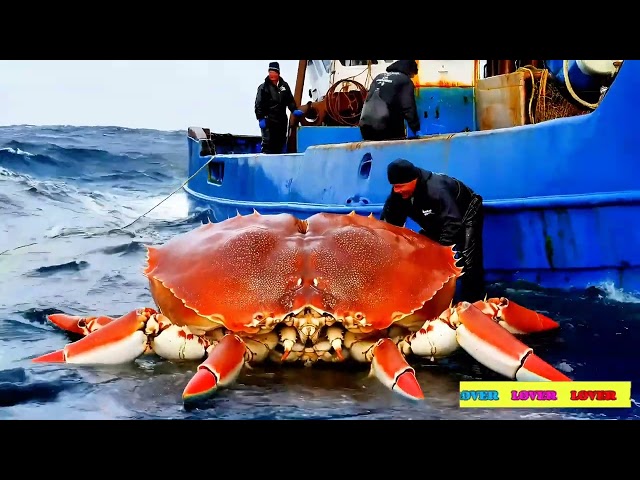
263 123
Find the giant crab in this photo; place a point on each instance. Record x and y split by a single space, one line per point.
329 288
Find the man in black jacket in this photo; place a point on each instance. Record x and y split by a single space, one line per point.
391 100
446 210
272 100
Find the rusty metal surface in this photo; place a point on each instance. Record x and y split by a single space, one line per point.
447 73
297 96
507 66
314 113
501 101
197 133
372 144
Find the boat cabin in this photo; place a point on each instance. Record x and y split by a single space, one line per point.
452 96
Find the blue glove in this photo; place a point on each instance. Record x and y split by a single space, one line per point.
263 123
298 113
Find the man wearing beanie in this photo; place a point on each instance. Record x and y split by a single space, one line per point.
391 100
272 100
446 210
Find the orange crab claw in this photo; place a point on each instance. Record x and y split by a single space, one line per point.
285 355
78 324
53 357
122 340
221 368
499 350
390 367
515 318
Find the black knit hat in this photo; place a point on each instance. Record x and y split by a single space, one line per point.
401 171
275 66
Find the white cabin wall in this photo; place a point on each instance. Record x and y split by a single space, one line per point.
358 70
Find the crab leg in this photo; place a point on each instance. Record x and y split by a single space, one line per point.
391 368
497 349
515 318
78 324
221 368
120 341
126 338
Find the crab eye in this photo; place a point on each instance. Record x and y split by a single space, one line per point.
315 282
299 283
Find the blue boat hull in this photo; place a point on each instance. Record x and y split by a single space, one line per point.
562 197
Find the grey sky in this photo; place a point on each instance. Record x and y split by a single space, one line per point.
158 94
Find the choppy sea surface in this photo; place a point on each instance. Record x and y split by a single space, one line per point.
67 193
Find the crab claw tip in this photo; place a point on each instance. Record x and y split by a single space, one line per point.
408 385
53 357
200 386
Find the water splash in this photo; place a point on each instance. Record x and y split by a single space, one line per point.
610 292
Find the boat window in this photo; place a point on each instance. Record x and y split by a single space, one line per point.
216 172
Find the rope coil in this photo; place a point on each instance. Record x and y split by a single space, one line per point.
354 107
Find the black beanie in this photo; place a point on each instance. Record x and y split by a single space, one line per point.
401 171
275 66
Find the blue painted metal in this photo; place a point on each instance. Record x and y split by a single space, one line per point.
562 197
446 110
579 81
310 136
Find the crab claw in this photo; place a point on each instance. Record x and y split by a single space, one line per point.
221 368
53 357
78 324
499 350
288 337
119 341
515 318
390 367
335 337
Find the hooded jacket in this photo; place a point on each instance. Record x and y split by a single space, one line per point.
391 100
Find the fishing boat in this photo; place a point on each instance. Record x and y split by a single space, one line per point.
551 145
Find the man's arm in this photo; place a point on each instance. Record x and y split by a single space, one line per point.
408 105
451 219
292 101
259 109
394 211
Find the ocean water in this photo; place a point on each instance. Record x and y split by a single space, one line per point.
67 193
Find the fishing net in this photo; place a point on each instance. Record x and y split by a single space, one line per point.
546 101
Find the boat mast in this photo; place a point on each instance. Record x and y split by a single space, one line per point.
297 96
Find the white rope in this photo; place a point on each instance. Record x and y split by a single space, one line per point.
565 70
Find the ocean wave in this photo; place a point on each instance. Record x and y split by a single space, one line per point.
73 266
81 156
17 387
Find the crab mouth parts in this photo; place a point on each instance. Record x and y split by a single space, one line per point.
309 334
310 315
